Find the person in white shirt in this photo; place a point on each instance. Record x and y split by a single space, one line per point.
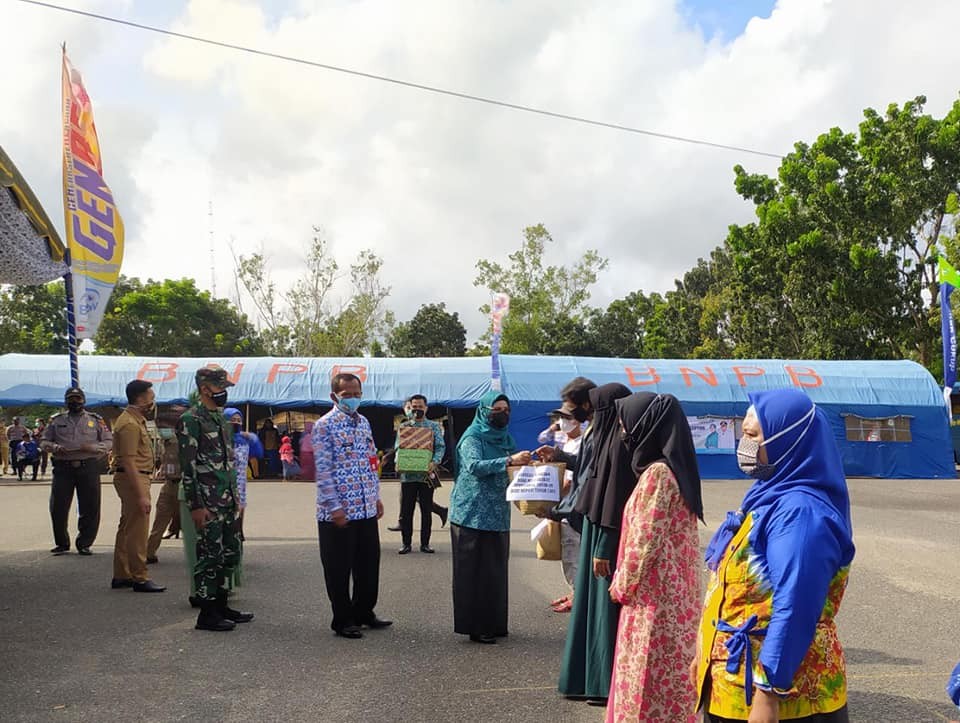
571 432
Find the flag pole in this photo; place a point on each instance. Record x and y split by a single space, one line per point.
71 326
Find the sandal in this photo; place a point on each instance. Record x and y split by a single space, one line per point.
564 607
561 600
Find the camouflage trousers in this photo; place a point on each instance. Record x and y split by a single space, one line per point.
218 553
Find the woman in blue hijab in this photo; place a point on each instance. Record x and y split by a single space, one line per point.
768 646
480 521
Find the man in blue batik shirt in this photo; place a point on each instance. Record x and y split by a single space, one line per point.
348 509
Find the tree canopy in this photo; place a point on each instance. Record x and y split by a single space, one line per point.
432 332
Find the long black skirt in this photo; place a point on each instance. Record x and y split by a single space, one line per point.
480 560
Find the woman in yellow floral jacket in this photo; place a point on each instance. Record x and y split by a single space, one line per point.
768 648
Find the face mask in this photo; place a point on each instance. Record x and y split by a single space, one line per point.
237 427
348 405
580 414
499 419
418 413
75 407
148 410
568 425
748 452
220 398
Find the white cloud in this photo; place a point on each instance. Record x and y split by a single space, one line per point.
433 183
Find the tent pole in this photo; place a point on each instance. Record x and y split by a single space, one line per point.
246 417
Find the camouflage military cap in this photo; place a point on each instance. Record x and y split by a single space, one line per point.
215 375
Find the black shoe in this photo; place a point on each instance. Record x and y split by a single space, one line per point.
148 586
83 550
426 548
152 560
394 528
228 612
405 550
60 550
195 602
120 582
210 619
377 624
483 639
444 512
597 702
351 631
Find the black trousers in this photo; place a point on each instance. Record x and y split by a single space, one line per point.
21 466
349 552
85 479
412 493
838 716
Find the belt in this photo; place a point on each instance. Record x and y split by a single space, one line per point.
74 462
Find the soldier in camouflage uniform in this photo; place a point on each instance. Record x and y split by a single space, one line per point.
209 488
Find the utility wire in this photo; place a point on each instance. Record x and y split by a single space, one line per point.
397 81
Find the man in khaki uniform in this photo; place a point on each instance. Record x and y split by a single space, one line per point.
78 440
4 445
168 506
133 452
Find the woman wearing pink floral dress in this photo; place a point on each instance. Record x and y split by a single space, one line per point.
657 574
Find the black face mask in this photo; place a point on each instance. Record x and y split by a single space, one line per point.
75 407
418 413
499 419
237 427
220 398
580 414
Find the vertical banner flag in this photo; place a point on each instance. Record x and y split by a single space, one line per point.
949 280
93 224
498 309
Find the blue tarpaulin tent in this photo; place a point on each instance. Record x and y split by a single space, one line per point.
889 417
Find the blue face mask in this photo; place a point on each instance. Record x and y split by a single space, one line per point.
348 405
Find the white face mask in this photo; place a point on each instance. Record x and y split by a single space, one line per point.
568 425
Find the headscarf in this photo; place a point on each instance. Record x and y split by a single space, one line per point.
610 479
229 413
481 427
807 462
657 430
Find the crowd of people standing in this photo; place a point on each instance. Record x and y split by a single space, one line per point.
761 645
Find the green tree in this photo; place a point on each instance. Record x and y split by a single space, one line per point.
33 319
301 323
620 330
173 318
432 332
840 262
542 297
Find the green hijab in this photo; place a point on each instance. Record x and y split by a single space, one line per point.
481 427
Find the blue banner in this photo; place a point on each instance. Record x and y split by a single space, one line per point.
949 338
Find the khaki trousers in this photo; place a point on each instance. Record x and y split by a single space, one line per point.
5 454
166 508
130 549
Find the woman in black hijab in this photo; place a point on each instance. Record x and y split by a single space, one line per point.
657 578
588 655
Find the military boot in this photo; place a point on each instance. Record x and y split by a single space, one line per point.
210 618
228 612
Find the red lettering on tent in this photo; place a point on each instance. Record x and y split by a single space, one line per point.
168 370
801 373
357 370
278 369
634 381
744 372
707 375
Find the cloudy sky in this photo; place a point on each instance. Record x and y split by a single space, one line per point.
433 183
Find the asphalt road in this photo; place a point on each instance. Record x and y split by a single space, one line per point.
71 649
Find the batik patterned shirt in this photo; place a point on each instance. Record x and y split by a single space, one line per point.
345 458
770 625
